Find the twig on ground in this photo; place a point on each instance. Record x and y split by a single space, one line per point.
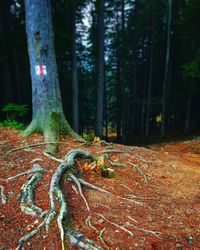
137 197
115 224
86 143
117 164
141 198
75 180
2 195
116 151
31 146
137 169
89 185
89 223
103 142
142 229
101 238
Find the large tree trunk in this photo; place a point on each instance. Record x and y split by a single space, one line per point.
47 111
75 89
100 93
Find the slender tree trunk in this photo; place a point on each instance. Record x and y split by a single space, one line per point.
123 115
100 91
133 85
47 110
166 73
75 88
151 60
187 120
5 78
118 80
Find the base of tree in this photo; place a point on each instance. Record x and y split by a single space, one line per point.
51 126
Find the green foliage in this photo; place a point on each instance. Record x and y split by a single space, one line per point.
191 69
15 109
107 173
12 124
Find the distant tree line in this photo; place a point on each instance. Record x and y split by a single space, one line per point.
127 68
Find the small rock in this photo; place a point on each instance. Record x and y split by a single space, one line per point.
179 246
189 240
100 221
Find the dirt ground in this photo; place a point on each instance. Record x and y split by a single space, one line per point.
153 198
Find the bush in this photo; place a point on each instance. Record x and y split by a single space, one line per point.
15 110
12 124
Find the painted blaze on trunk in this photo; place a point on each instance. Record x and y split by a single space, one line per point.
48 116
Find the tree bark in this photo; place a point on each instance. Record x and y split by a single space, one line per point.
47 110
151 60
75 88
100 93
8 93
188 114
166 73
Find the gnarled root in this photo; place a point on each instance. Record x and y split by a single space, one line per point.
27 192
55 193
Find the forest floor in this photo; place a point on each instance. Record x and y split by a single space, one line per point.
153 198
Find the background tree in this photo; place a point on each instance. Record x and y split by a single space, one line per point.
100 90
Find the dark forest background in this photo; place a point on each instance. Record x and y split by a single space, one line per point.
149 81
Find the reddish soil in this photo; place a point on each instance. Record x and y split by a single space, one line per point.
171 197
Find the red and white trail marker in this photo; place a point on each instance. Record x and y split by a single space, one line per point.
41 70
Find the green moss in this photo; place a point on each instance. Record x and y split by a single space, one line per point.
105 172
67 223
55 121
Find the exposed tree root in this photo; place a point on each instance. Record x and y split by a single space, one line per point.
116 225
154 233
89 185
77 239
3 197
56 197
36 169
101 238
113 150
137 169
31 146
117 164
55 194
73 177
27 195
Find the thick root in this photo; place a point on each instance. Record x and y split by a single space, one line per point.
27 195
79 240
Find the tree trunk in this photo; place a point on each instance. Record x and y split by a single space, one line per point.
134 84
166 73
118 80
6 81
75 88
151 59
47 110
188 112
100 93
